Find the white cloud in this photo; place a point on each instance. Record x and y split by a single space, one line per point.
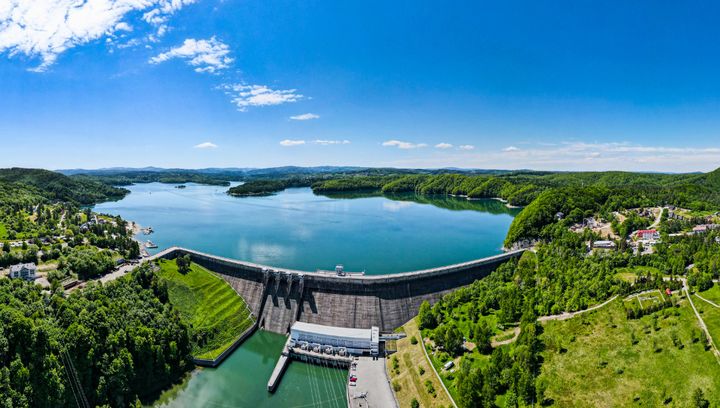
206 145
466 147
291 143
403 145
205 55
573 155
305 116
123 26
443 146
45 29
510 149
331 142
259 95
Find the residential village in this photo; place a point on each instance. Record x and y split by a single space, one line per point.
60 245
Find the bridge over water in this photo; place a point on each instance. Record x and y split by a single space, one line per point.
280 296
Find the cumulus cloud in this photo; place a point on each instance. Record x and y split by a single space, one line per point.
291 143
305 116
244 96
205 55
331 142
403 145
510 149
206 145
466 147
443 146
45 29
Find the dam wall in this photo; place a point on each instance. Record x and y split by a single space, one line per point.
278 297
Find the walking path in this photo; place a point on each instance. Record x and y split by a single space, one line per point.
709 301
567 315
702 322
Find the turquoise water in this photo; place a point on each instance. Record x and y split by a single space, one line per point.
299 230
241 381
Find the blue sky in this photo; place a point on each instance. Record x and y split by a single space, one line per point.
573 85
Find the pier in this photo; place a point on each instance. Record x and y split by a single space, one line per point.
278 371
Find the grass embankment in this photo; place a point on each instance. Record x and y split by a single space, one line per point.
602 359
404 368
216 314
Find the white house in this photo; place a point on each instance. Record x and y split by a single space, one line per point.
24 271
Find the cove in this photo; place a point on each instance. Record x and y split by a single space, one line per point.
297 229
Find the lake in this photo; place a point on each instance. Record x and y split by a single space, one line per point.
299 230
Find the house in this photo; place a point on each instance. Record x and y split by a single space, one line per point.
560 215
703 228
604 245
647 235
23 271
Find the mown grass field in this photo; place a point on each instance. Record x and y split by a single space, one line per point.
602 359
215 312
712 294
711 316
410 360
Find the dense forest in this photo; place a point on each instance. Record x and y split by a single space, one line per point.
108 344
561 276
17 185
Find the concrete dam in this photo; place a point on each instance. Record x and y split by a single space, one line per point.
278 297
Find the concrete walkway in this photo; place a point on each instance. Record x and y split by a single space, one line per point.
372 382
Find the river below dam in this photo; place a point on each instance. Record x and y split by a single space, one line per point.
297 229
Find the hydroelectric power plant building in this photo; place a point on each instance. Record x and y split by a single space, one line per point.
332 339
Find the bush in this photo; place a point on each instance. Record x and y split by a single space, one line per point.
413 340
421 370
396 386
414 403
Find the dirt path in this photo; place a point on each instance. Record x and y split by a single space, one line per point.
708 301
516 333
567 315
701 321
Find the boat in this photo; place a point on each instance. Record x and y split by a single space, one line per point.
150 244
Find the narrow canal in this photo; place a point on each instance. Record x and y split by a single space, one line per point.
302 386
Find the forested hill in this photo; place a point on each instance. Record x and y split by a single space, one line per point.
18 184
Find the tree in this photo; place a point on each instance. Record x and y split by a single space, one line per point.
483 337
427 316
183 263
699 400
453 340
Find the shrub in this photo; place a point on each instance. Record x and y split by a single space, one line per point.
396 386
421 370
414 403
413 340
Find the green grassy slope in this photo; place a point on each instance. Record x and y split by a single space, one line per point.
601 359
217 315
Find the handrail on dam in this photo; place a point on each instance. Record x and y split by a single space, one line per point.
171 252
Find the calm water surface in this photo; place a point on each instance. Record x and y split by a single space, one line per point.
241 381
299 230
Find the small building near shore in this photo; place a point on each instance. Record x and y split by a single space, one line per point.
352 341
25 271
604 245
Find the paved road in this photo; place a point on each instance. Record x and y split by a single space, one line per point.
372 381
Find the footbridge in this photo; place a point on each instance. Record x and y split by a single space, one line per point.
278 297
